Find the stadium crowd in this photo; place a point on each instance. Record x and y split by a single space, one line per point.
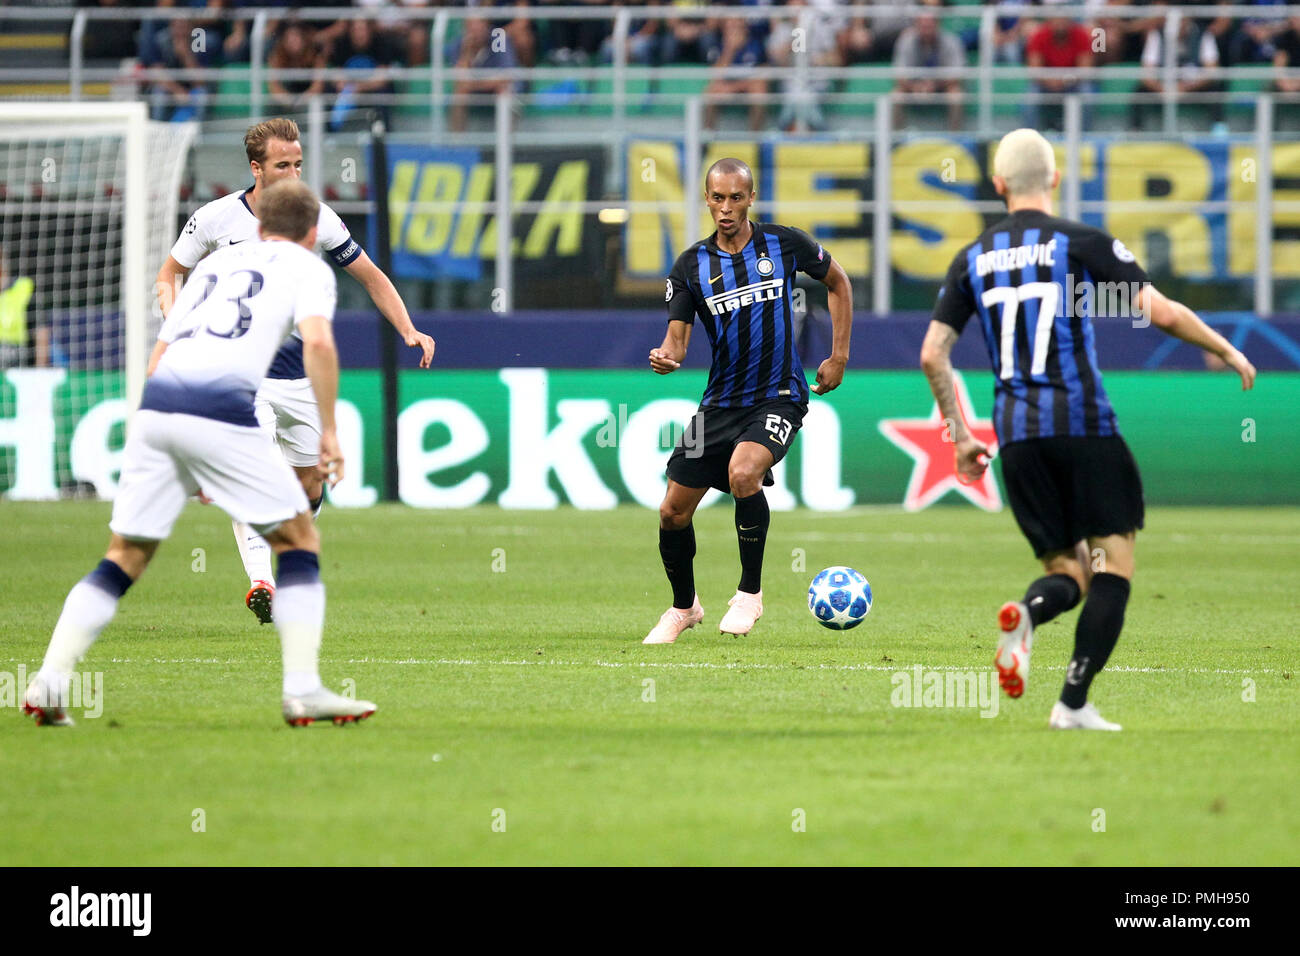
1033 35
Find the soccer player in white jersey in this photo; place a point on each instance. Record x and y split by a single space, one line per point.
285 405
196 427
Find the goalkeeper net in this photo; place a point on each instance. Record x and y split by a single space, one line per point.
88 204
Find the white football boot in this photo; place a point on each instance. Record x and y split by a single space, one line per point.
744 610
1085 718
1012 658
673 621
323 704
44 706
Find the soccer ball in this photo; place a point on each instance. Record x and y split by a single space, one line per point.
839 598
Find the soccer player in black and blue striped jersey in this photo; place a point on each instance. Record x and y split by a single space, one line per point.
739 283
1035 282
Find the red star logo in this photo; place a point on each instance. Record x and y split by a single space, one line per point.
935 473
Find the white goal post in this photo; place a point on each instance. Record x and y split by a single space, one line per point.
88 212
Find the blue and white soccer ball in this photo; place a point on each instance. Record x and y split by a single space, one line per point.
839 598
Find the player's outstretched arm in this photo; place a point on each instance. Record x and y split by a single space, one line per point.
1176 319
320 359
168 284
669 356
385 296
839 300
174 304
936 362
159 347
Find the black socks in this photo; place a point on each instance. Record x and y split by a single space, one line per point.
677 548
1051 595
752 520
1100 622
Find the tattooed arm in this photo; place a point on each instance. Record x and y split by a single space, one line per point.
971 455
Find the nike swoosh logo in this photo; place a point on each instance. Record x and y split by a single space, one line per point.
777 440
743 528
234 242
715 279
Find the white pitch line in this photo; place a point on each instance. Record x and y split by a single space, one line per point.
665 665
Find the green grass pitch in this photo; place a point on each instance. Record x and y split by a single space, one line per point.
521 721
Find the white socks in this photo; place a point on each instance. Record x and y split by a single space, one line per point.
299 615
254 552
86 612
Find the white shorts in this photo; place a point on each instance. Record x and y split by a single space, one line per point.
286 408
170 456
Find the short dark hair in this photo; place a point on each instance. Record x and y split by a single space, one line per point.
727 167
288 208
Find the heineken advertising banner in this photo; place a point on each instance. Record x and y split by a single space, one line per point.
814 185
538 438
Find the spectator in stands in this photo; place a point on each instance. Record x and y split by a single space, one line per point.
108 39
166 46
235 34
410 36
1254 40
477 49
924 46
643 37
1009 34
1197 60
1287 56
872 41
1062 46
296 49
799 108
576 41
1221 29
740 50
362 47
855 41
1121 37
521 32
689 40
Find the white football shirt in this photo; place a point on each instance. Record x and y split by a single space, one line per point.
229 322
229 221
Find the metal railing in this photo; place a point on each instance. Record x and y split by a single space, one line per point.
879 211
878 124
982 76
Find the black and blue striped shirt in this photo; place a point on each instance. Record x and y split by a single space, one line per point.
745 303
1036 282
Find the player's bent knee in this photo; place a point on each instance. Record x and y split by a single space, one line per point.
1069 565
744 482
310 479
672 517
1113 554
297 534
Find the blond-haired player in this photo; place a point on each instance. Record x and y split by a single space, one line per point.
285 405
1071 481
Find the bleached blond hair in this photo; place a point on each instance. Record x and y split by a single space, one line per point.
1026 161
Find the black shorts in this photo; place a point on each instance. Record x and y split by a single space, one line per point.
1065 489
703 453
